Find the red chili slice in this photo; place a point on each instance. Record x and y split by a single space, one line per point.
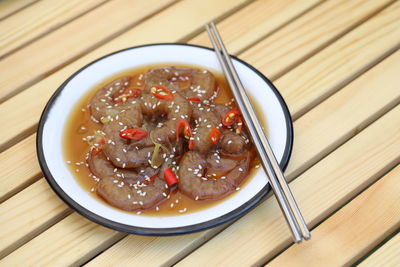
131 93
161 92
230 117
215 134
194 99
147 182
133 134
170 177
240 125
184 126
96 149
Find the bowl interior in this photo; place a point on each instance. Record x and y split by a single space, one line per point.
271 110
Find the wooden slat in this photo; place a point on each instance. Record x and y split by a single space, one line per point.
27 213
342 61
310 152
86 241
295 42
8 7
143 33
332 125
332 111
18 167
26 117
388 255
280 15
57 48
66 251
255 21
352 231
319 191
39 19
317 13
14 82
329 124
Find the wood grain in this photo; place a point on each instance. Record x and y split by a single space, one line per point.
387 255
28 213
18 167
73 240
343 115
182 246
342 61
255 21
59 53
279 10
67 251
26 117
327 106
145 32
8 7
116 17
319 191
297 41
39 19
352 231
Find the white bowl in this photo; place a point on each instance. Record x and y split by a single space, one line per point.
272 109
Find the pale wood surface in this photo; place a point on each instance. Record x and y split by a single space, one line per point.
388 255
336 65
39 19
353 230
320 190
103 23
384 73
8 7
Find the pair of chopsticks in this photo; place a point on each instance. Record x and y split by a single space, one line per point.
276 178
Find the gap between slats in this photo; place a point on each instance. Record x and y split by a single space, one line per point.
340 207
14 7
333 182
74 50
350 243
7 142
42 18
289 165
385 253
13 82
327 106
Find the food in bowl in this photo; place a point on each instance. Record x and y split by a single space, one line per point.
159 139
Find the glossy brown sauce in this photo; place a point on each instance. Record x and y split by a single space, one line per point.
75 148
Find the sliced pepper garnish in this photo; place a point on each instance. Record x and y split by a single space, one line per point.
147 182
215 134
97 147
183 126
131 93
239 125
161 92
170 177
133 134
230 117
194 99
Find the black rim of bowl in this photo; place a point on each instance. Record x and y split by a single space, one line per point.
236 213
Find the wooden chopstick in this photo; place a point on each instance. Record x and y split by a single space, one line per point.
275 176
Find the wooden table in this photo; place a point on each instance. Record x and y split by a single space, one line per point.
336 63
